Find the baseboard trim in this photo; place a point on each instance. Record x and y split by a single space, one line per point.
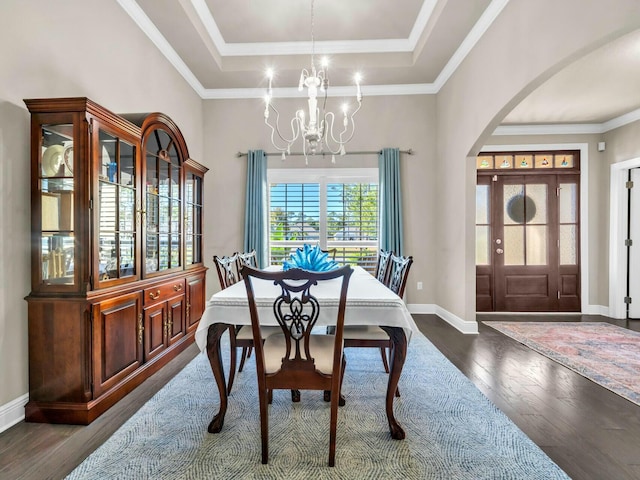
597 310
12 412
456 322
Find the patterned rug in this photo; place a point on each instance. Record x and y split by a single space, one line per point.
453 431
604 353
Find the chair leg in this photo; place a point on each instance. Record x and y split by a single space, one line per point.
383 352
232 359
264 423
295 396
243 357
335 400
249 352
341 400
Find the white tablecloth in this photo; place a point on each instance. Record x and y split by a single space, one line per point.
369 302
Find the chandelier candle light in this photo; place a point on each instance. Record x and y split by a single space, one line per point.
317 130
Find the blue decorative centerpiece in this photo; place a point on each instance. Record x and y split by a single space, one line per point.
310 258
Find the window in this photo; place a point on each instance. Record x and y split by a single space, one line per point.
336 209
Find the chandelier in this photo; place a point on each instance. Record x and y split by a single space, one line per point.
315 127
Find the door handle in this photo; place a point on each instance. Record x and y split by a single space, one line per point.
499 251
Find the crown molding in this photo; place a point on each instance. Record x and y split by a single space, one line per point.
146 25
293 92
397 45
289 48
551 129
568 128
474 35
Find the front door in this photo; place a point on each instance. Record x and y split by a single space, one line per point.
527 250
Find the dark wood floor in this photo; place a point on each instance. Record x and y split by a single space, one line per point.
588 431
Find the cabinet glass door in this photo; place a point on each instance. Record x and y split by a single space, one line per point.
163 203
193 219
117 207
57 251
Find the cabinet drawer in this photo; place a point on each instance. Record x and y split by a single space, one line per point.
163 292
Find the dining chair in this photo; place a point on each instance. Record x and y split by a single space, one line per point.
295 358
399 273
243 336
372 336
369 336
382 267
246 258
331 252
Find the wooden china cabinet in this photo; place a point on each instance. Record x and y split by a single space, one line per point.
118 281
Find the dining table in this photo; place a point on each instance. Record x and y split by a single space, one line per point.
369 302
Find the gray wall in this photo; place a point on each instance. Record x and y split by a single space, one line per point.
406 122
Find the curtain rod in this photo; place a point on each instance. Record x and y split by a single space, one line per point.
324 154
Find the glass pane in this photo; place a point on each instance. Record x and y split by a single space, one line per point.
544 161
108 207
57 211
157 142
163 179
513 198
57 259
175 216
173 155
127 164
197 220
568 245
163 220
127 209
175 251
188 253
163 254
504 161
524 161
484 162
197 249
514 245
482 245
151 262
564 161
108 263
568 203
108 158
152 174
536 245
175 181
127 255
152 214
535 204
482 204
188 221
57 150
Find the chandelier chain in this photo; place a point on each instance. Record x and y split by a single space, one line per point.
313 41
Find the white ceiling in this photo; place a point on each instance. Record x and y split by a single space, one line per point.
223 48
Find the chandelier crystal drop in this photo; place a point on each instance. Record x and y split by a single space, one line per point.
316 126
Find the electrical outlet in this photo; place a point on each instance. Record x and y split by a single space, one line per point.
419 286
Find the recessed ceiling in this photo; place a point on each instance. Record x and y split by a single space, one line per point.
223 48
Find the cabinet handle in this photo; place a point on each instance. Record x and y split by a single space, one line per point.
188 312
140 329
177 287
154 295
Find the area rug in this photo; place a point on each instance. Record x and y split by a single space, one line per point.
452 430
604 353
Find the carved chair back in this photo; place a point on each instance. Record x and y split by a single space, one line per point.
399 273
382 268
226 273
